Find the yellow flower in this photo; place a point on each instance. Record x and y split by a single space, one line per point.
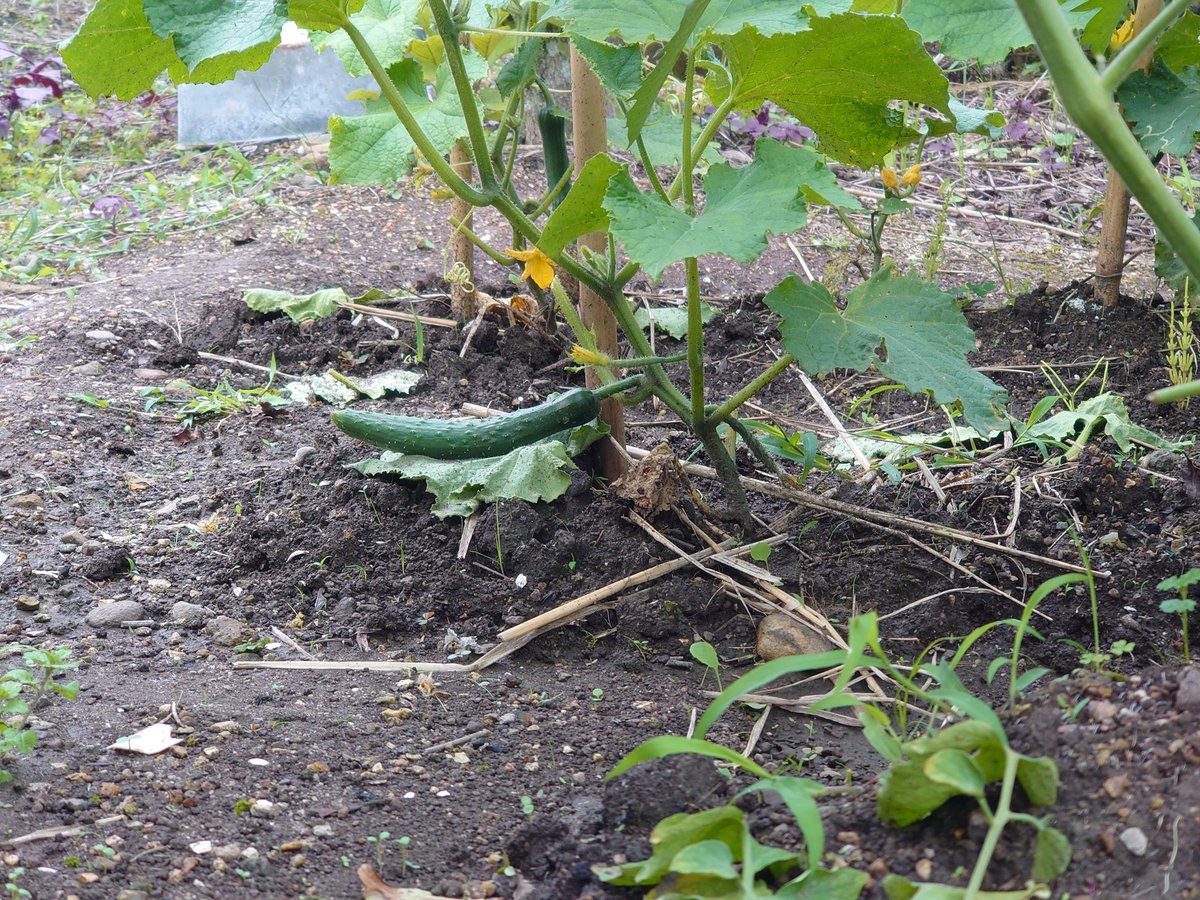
1122 35
586 357
888 176
912 175
538 266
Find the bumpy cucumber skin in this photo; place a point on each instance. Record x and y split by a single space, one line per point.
474 439
554 149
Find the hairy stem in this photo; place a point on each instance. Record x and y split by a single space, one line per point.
387 87
466 95
1089 103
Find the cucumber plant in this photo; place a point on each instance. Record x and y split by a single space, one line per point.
863 83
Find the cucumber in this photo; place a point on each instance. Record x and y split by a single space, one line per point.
472 439
553 128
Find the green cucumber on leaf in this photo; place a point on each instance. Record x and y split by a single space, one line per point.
477 438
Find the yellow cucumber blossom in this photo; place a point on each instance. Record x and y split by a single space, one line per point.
1122 35
585 357
912 175
888 175
538 266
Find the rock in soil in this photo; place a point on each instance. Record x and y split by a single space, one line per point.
116 614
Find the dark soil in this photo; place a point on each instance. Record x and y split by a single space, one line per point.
289 779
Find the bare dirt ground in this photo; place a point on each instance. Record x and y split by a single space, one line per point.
492 784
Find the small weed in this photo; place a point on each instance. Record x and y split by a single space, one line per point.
706 654
527 806
1182 342
22 689
380 842
10 343
1182 605
12 888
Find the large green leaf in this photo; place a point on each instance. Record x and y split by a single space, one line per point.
387 25
742 207
1107 16
297 307
618 68
1164 108
520 69
374 148
321 15
460 487
840 78
982 30
920 329
1179 47
1104 413
674 834
205 29
646 96
115 51
581 211
662 136
642 20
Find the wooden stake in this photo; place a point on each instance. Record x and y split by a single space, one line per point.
462 294
1114 220
590 136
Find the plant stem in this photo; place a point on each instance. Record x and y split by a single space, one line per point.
1089 103
697 147
466 95
1127 60
507 32
435 159
462 228
730 406
995 826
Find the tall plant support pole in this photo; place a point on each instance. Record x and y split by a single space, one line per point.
463 302
590 136
1114 221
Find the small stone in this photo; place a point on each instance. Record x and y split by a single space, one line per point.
158 585
1166 462
1101 710
101 337
189 615
1117 786
781 635
27 603
1134 840
224 631
322 831
27 503
92 369
115 614
228 852
263 809
74 536
151 374
226 725
924 869
1188 695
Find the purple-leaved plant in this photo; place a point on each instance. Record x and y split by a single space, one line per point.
26 82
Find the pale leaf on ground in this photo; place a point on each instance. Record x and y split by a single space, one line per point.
150 740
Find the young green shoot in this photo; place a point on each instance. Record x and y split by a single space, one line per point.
1182 604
